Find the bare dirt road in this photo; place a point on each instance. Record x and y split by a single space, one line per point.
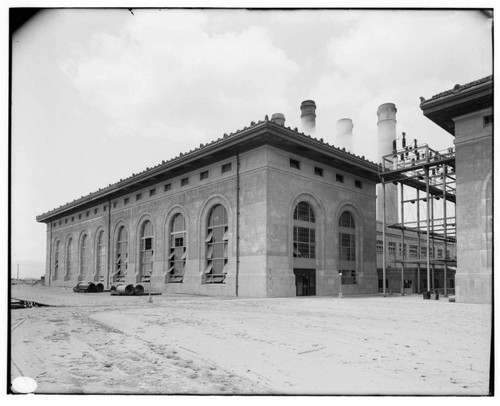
97 343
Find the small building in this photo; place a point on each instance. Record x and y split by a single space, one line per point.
466 112
413 251
265 212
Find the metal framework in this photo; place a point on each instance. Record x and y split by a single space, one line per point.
432 174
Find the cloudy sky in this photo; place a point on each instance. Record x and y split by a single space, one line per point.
100 94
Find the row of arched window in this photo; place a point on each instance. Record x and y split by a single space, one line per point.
304 239
83 259
216 248
216 252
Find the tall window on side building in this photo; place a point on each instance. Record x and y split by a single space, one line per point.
177 252
304 231
392 249
69 258
121 263
57 253
146 268
216 245
380 247
101 256
347 248
84 255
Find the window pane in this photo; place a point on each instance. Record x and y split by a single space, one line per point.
218 250
147 249
218 233
346 220
347 246
218 216
147 229
304 250
178 223
218 265
304 212
303 234
216 240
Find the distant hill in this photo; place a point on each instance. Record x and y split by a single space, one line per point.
27 269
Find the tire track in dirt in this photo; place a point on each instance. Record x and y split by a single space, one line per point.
218 346
170 369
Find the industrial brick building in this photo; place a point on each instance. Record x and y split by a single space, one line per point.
270 211
264 212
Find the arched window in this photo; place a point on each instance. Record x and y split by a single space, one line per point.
69 258
347 248
304 231
57 252
304 212
101 256
177 253
146 265
217 245
346 220
84 262
121 255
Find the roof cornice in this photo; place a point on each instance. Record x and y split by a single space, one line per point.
445 106
261 130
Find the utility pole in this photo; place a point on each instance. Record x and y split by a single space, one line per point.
384 242
340 286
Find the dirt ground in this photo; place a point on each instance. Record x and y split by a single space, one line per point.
179 344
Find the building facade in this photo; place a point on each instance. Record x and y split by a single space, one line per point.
264 212
466 112
413 277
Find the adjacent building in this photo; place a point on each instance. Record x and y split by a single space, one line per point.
466 112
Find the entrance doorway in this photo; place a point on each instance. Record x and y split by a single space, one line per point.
305 282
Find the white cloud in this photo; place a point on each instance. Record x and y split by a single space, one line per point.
188 76
164 75
397 56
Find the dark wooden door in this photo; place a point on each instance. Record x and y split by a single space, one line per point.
305 282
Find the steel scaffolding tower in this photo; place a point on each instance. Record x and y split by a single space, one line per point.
431 174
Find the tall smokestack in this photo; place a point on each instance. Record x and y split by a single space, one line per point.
343 137
386 124
308 116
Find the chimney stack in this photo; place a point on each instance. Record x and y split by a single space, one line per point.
278 118
386 124
343 138
308 116
386 137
